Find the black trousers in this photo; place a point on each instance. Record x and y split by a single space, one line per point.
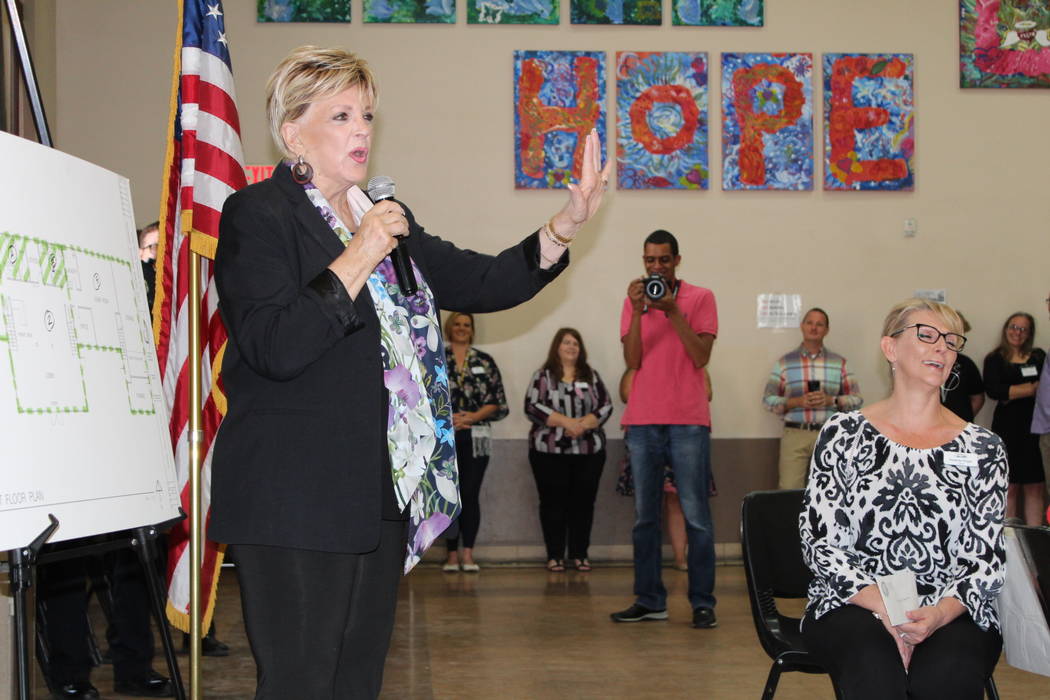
471 472
568 485
64 597
319 623
862 658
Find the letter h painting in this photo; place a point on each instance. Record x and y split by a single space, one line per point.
767 121
869 115
559 96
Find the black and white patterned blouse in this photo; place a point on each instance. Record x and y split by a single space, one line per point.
873 507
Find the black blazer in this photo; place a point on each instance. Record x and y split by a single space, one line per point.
300 455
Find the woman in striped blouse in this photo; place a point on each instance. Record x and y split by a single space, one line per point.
567 404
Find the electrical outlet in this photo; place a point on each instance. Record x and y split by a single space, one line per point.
911 228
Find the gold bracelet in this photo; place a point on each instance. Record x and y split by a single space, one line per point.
561 239
551 238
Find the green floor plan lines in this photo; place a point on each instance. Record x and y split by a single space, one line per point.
58 303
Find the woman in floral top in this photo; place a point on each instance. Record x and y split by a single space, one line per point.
477 401
907 486
567 404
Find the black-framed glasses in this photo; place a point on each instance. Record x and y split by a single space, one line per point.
929 334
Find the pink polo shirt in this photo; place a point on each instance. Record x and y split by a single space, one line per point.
668 389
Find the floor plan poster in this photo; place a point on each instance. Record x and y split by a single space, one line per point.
85 430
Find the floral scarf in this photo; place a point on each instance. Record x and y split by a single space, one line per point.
419 433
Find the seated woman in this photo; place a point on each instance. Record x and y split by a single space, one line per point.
567 404
906 485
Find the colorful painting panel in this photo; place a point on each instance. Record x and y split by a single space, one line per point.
410 11
513 12
303 10
1004 44
767 121
869 122
559 96
724 13
661 120
616 12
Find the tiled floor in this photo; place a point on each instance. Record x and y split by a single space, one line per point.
512 632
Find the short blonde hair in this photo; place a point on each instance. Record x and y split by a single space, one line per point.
452 319
897 318
307 74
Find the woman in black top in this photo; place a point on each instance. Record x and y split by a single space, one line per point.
335 467
1011 376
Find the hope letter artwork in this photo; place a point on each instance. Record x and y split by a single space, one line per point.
725 13
512 12
869 122
559 96
767 121
1004 43
410 11
661 120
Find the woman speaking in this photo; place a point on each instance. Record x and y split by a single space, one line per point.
335 467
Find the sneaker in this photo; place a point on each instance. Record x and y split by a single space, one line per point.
704 618
638 613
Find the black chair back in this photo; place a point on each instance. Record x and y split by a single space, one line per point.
773 565
772 548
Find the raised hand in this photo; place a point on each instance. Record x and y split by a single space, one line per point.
585 197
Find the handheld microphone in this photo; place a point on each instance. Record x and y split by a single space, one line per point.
381 187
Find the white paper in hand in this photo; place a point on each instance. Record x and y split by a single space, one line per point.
899 595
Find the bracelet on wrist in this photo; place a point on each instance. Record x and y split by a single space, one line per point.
553 235
551 238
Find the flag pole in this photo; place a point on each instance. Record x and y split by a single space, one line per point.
196 438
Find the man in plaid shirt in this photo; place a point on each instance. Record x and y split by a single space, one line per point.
805 387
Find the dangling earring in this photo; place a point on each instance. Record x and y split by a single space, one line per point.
302 172
951 383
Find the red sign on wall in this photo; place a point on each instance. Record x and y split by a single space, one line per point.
257 173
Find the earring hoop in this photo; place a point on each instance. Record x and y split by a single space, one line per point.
302 172
953 380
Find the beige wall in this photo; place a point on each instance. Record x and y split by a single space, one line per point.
446 135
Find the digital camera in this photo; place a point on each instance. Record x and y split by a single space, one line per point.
655 287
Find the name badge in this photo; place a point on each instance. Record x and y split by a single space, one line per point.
582 385
1029 371
477 370
961 459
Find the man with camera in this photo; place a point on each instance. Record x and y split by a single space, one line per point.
806 386
667 328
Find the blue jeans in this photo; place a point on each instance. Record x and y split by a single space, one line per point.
687 449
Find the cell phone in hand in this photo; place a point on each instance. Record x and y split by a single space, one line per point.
813 385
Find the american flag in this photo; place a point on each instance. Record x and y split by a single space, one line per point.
204 166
